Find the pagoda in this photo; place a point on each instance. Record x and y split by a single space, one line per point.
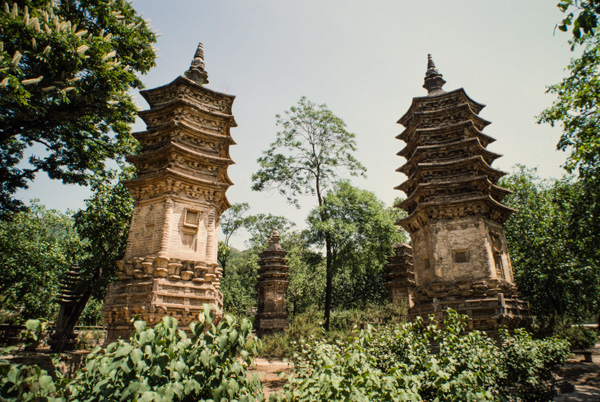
170 264
271 315
455 211
400 276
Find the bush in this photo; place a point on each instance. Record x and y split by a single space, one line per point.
160 364
416 361
581 337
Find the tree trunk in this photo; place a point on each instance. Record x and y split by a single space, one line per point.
328 282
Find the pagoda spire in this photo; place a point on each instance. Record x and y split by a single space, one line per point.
196 71
433 79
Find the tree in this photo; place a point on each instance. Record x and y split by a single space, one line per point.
36 247
586 19
260 227
65 71
361 231
306 158
230 222
104 225
576 109
548 247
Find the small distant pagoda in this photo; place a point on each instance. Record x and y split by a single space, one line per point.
273 282
400 276
455 215
170 265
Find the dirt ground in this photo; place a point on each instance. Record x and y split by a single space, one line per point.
584 376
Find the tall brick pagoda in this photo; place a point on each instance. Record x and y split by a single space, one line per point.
455 215
271 315
170 266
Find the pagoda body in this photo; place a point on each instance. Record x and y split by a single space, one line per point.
170 265
400 276
271 315
455 215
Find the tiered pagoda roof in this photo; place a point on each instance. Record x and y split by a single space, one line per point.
187 140
448 166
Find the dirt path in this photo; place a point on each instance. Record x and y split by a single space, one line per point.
268 372
584 376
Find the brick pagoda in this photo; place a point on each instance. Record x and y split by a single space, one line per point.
170 266
400 276
271 315
455 215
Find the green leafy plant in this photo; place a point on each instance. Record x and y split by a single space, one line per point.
422 360
158 364
164 364
34 332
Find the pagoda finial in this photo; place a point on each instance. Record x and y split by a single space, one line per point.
274 238
196 71
433 79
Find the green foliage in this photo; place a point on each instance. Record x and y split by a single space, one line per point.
230 222
586 19
306 158
580 337
361 232
66 68
36 247
104 224
19 382
163 364
308 324
551 242
306 288
35 329
159 364
307 154
239 285
91 315
527 364
419 361
260 227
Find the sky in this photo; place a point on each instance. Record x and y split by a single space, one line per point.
366 60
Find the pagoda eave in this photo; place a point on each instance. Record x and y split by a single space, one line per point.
166 129
436 208
148 94
182 104
169 173
476 106
173 147
482 180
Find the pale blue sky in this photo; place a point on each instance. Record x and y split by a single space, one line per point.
366 60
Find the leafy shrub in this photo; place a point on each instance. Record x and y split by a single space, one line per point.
348 320
581 337
19 382
160 364
419 361
164 364
527 364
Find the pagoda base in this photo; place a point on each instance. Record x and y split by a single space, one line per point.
490 305
151 298
269 323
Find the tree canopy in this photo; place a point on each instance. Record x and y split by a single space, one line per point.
548 243
65 71
36 247
361 231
